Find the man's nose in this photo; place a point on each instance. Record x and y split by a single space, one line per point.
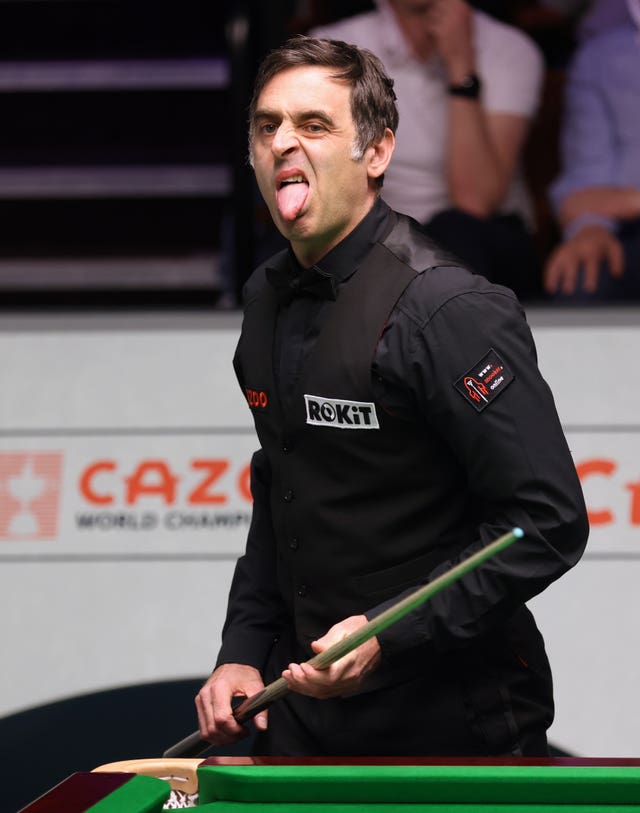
285 139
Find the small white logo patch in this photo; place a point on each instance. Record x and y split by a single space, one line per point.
340 414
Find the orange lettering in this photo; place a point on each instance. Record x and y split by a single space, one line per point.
606 468
162 483
86 485
201 494
257 398
634 488
244 483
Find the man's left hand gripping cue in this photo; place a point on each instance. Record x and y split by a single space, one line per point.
343 677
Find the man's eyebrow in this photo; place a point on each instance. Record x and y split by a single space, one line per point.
320 115
302 115
265 113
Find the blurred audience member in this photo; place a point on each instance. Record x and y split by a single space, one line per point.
468 87
558 26
594 16
548 12
597 195
551 24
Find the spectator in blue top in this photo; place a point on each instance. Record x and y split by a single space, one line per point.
596 198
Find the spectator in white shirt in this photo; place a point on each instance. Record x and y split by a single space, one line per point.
468 87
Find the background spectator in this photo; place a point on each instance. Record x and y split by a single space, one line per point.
468 87
597 195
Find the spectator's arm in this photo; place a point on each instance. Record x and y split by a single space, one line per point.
612 202
587 142
484 149
487 135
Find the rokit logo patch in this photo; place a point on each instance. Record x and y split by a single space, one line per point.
340 414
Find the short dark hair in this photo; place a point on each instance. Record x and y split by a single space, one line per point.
373 100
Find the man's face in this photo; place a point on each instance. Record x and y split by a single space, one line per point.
413 8
414 19
303 141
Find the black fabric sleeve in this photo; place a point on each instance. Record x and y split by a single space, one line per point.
255 612
518 467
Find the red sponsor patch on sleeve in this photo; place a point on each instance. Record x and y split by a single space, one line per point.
484 381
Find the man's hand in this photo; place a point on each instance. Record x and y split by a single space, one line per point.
443 26
450 23
588 249
213 702
343 677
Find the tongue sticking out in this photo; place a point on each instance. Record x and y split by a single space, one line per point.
291 198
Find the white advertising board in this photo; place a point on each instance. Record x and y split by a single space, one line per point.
98 493
124 502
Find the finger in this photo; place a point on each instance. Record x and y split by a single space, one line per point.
261 721
290 676
553 274
306 680
227 729
295 675
559 277
211 726
568 280
223 720
591 272
206 718
202 717
260 718
316 675
319 645
615 256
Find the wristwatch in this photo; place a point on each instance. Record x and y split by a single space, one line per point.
469 87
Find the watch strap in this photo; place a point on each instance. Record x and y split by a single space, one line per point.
469 88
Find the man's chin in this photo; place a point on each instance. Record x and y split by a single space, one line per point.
292 228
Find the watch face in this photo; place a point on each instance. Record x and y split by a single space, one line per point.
469 87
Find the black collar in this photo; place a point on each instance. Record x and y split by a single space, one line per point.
323 278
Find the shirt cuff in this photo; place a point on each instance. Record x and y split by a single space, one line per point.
582 221
245 649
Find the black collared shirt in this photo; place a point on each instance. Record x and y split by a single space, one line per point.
299 321
509 443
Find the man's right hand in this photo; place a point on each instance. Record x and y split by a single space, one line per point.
213 702
588 249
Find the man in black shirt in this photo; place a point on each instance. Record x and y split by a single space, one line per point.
403 425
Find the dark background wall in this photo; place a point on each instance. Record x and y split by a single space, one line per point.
123 173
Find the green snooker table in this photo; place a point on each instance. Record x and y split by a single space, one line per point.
409 785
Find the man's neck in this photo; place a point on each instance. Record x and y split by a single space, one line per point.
309 253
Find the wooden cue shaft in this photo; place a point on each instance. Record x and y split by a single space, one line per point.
278 688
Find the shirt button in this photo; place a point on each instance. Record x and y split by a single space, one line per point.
302 590
288 496
294 542
286 448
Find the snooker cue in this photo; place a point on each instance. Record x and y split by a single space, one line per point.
194 745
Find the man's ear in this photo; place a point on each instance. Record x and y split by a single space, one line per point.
379 154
